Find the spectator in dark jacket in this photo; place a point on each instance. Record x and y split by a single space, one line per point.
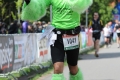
13 29
0 27
3 28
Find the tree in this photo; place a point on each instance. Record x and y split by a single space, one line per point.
46 18
10 10
103 8
18 7
3 11
7 8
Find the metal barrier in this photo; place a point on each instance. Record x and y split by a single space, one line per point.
25 51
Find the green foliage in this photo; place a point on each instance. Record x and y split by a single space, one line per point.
103 8
3 10
47 16
9 9
13 15
18 3
6 6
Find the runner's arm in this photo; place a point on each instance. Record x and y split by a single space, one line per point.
80 6
34 9
102 26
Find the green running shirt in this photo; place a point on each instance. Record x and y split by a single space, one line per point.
63 17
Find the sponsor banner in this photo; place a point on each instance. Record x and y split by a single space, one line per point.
19 51
30 49
89 39
43 50
114 36
102 38
6 53
25 50
116 9
83 40
116 17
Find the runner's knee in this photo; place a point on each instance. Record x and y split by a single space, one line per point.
73 69
58 67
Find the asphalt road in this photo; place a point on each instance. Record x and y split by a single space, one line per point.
106 67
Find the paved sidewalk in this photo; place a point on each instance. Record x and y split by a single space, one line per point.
106 67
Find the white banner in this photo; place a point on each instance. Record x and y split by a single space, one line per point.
29 49
83 40
102 39
25 50
43 50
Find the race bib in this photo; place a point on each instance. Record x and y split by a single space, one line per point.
70 42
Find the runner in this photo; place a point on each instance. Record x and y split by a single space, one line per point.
111 25
66 21
117 29
97 26
107 32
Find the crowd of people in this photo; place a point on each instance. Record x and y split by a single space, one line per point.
39 26
108 31
23 27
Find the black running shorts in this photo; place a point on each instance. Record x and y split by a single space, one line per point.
111 35
118 34
96 36
58 52
108 37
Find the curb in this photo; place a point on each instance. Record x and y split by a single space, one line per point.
27 73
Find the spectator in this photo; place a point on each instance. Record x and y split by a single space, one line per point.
30 29
25 27
0 27
4 28
39 27
19 29
44 25
49 23
35 26
13 29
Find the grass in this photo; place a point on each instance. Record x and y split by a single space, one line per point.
2 78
